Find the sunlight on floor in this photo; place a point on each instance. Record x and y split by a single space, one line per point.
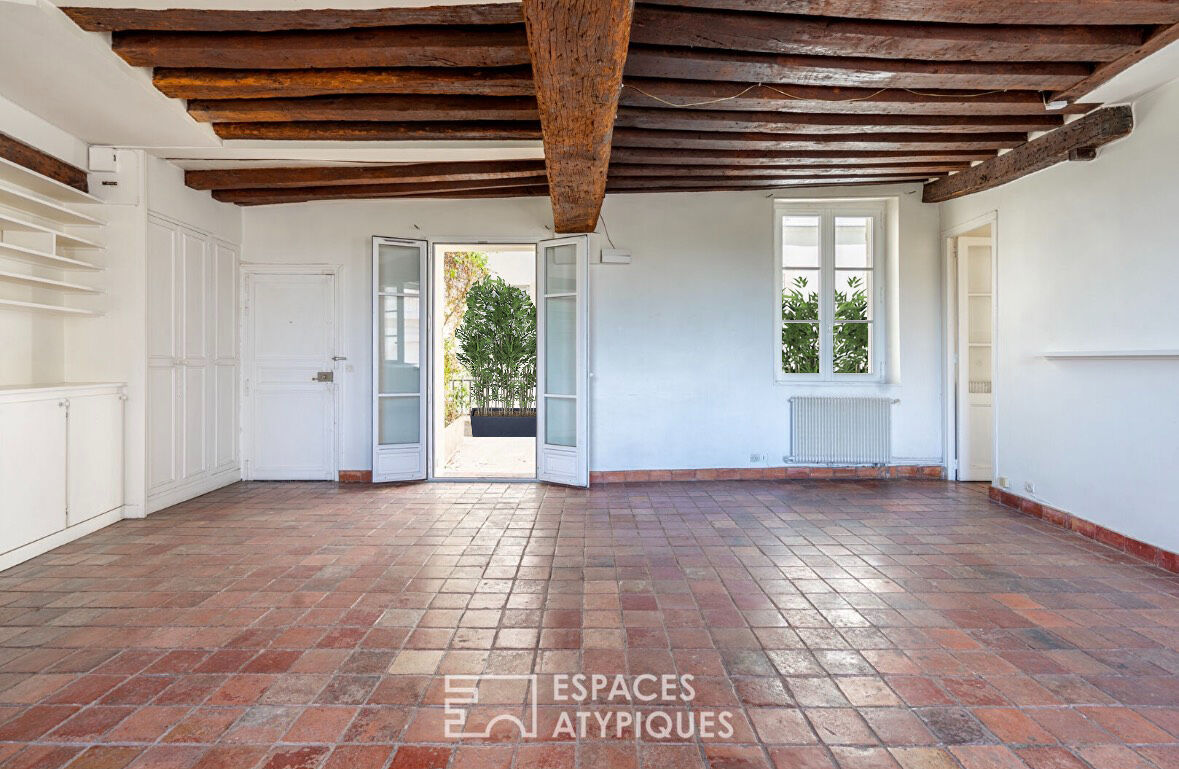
492 458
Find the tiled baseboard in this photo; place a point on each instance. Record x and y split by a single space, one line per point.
930 472
1145 551
356 476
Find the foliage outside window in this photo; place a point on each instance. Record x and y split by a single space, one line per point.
497 346
462 270
826 263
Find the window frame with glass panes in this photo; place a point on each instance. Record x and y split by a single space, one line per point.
807 246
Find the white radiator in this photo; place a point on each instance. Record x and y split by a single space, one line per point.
840 431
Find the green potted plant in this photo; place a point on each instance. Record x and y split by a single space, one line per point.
497 347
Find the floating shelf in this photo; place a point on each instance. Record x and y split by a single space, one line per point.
1111 354
46 209
33 256
9 222
57 285
50 308
42 185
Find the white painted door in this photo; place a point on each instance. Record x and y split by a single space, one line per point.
562 403
975 359
164 281
290 372
400 350
32 471
95 456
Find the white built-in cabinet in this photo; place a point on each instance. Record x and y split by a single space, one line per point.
192 363
61 465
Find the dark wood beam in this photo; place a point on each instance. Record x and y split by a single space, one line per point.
848 71
362 131
705 185
960 11
43 163
491 46
314 176
623 170
291 83
775 33
865 140
1087 133
370 107
648 92
207 20
764 157
822 123
262 196
578 50
1106 72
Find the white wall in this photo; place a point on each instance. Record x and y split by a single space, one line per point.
1088 259
681 339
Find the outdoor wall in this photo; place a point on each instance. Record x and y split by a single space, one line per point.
682 339
1088 260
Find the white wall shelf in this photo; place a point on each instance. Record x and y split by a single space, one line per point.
42 185
66 239
1111 354
49 308
35 282
33 256
47 209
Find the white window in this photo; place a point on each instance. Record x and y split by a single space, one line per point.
828 271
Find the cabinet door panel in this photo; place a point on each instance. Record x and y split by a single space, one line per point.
195 299
227 410
32 471
161 291
163 456
95 466
196 398
226 314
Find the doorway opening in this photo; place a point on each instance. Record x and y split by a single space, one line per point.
484 345
971 339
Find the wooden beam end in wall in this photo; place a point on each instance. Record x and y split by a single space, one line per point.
1082 137
43 163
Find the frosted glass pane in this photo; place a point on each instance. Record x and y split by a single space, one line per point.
399 269
800 241
560 345
398 421
560 275
852 241
399 344
560 421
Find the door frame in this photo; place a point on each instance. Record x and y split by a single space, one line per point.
950 331
245 418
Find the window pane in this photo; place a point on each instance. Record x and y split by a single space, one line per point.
800 294
400 345
852 348
800 241
852 241
853 295
560 345
560 421
399 420
560 275
399 269
800 348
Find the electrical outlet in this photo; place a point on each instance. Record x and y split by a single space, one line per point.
755 458
1003 482
1029 487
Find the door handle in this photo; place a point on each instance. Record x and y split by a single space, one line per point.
324 376
339 357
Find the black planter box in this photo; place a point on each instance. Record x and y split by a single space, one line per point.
503 423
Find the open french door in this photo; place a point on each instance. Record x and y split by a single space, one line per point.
400 350
562 403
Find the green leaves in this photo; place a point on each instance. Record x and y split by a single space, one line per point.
497 344
800 329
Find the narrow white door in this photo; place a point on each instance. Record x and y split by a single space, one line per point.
975 355
400 350
562 404
290 376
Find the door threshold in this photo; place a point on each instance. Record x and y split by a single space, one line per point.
493 479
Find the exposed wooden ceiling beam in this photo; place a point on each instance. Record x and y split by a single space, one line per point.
848 71
770 157
1087 133
370 107
209 20
492 46
648 92
290 83
363 131
822 123
961 11
706 184
30 157
775 33
622 170
1103 74
866 140
578 50
302 176
339 192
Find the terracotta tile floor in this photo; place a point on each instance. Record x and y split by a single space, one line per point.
858 625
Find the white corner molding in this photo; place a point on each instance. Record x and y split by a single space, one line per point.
1112 354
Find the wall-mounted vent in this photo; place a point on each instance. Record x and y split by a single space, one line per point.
840 431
